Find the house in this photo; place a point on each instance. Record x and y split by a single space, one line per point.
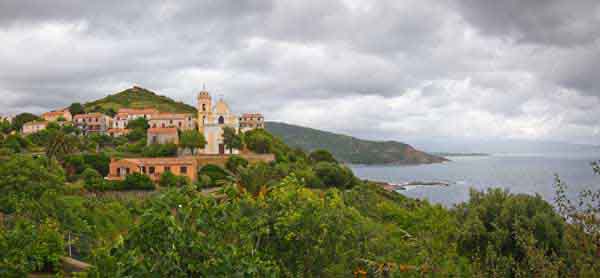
124 115
34 126
93 122
54 116
117 132
154 167
249 121
160 135
179 121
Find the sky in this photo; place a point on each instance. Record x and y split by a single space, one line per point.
387 70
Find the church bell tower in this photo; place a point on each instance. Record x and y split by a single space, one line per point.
204 108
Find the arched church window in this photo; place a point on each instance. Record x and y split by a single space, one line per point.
221 120
203 106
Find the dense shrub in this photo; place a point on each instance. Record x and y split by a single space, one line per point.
137 181
234 162
28 247
98 161
215 173
321 156
168 179
24 178
504 227
335 175
160 150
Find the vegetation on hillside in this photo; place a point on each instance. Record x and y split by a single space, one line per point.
350 149
137 97
303 215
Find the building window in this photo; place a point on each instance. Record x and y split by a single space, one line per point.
221 120
151 170
203 106
183 170
167 169
143 169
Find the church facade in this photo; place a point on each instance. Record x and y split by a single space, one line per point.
212 118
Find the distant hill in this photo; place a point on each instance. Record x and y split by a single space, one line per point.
350 149
138 97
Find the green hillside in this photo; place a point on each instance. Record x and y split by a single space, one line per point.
350 149
137 97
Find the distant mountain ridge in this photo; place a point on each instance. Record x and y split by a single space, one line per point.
350 149
137 97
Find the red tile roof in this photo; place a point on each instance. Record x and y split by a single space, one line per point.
163 130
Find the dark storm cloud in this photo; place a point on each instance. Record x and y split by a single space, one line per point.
547 22
387 68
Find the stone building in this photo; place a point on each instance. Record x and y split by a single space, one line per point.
93 122
154 167
249 121
212 120
54 116
124 115
34 126
160 135
179 121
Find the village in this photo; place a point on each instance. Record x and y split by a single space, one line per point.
211 120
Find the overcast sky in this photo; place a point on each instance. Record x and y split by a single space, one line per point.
375 69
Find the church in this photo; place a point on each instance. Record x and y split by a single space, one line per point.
212 118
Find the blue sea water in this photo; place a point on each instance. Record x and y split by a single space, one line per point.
519 173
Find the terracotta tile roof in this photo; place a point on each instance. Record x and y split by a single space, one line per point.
163 130
168 116
161 160
90 115
54 113
118 130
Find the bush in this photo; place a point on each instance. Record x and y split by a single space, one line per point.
92 179
204 181
168 179
234 162
321 156
98 161
496 223
215 173
137 181
160 150
25 178
334 175
29 247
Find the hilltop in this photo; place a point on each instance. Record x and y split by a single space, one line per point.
350 149
138 97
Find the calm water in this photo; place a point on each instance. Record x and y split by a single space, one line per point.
523 173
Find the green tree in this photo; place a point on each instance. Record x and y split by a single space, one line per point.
26 178
23 118
258 142
192 139
231 139
5 126
29 247
234 163
168 179
137 181
216 174
92 179
321 155
334 175
76 109
60 145
139 123
501 229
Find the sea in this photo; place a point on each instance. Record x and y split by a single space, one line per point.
530 173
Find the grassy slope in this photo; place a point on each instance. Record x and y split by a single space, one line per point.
350 149
140 98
